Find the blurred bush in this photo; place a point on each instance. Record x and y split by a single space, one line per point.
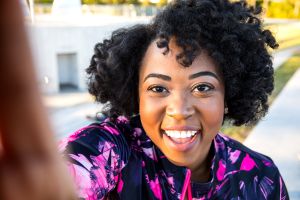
284 9
44 1
273 8
158 3
90 2
279 8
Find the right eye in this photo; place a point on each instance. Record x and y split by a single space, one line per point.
157 89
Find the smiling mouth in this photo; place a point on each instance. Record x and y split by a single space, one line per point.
181 137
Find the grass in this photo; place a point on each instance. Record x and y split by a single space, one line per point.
286 34
284 73
238 133
281 77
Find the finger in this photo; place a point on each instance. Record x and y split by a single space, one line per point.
1 146
23 123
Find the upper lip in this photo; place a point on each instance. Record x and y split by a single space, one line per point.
180 128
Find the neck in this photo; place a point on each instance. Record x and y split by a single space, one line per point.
201 172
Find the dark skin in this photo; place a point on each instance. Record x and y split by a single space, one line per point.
30 167
175 98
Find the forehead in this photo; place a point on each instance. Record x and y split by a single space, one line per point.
155 61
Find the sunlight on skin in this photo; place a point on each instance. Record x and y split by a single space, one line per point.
190 98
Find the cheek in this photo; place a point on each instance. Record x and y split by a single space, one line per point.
151 111
213 113
151 115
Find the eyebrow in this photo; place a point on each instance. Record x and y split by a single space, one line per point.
160 76
204 73
168 78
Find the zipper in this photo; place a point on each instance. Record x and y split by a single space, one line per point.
187 186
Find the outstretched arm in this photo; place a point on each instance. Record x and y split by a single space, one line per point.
30 167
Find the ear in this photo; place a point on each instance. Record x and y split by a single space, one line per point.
225 108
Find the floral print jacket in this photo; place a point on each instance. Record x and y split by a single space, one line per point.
115 159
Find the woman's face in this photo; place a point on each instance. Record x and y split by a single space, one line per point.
181 109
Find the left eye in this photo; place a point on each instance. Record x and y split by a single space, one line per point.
202 88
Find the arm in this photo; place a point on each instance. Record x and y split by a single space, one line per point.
30 167
96 155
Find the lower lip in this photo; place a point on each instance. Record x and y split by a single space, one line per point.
181 146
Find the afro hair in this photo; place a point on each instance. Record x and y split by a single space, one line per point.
231 32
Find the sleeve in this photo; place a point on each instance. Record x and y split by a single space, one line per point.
95 157
280 191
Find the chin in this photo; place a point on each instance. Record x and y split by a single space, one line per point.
181 160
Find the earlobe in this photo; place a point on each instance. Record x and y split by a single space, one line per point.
226 110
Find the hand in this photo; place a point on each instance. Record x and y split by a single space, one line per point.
30 167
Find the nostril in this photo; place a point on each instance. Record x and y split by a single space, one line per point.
180 115
180 107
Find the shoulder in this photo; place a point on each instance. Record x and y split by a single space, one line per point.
249 170
244 160
96 155
98 137
234 147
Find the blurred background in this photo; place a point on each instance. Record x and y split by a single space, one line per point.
62 35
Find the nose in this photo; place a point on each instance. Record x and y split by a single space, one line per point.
179 107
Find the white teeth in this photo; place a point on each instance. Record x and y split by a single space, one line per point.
183 134
180 134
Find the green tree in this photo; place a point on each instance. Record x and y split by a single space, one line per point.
132 1
284 9
88 1
278 9
162 3
44 1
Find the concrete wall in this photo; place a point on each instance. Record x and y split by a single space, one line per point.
48 42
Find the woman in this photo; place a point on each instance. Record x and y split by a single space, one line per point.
168 87
176 80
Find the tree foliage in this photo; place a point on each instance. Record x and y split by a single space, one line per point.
279 8
44 1
284 9
273 8
93 2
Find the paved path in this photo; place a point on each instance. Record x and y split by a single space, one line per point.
278 135
68 111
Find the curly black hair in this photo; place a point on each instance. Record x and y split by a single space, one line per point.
231 32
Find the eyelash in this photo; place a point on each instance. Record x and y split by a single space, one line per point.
163 89
208 87
156 87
